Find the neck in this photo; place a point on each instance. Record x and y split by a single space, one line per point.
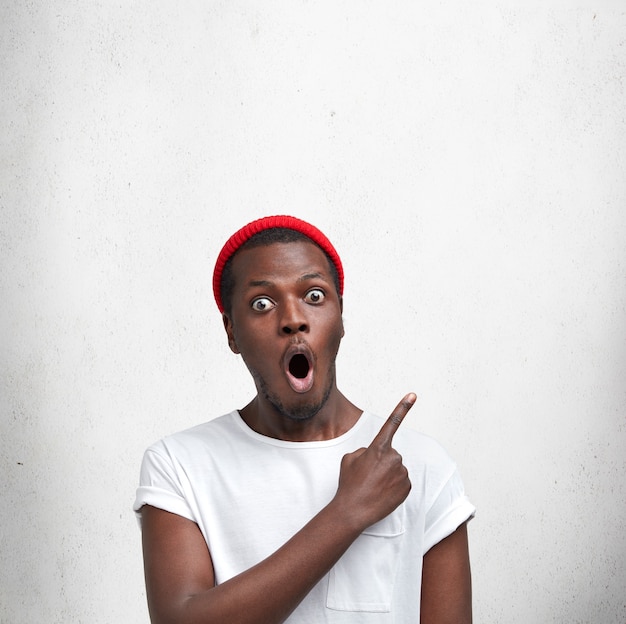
334 418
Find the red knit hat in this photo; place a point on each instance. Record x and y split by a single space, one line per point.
268 223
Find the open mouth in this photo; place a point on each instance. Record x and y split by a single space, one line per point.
299 369
299 366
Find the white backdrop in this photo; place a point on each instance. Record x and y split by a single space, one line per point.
468 161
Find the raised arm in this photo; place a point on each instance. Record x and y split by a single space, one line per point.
179 574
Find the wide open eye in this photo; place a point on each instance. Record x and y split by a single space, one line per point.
315 296
262 304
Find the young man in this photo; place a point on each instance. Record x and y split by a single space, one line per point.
300 507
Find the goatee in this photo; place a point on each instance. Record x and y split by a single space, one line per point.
297 413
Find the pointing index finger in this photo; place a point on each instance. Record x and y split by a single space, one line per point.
387 431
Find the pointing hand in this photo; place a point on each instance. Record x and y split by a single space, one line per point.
373 481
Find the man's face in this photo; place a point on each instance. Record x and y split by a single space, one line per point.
286 324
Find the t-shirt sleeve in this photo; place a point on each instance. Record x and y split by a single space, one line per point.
450 508
160 486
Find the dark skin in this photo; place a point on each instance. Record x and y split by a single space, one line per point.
284 299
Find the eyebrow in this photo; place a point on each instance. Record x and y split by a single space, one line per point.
309 276
260 283
304 278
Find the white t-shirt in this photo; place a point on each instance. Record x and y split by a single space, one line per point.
249 494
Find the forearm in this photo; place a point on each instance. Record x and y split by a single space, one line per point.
272 589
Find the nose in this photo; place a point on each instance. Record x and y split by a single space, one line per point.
293 319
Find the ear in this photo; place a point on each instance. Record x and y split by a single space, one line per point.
228 326
343 329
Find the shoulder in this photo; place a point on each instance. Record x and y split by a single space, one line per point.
212 433
429 464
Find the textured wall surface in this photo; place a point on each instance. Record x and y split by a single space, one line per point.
467 160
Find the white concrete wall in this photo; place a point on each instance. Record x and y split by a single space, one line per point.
467 159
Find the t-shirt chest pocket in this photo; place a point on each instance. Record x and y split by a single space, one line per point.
363 579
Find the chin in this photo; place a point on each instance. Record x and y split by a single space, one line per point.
301 411
298 408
